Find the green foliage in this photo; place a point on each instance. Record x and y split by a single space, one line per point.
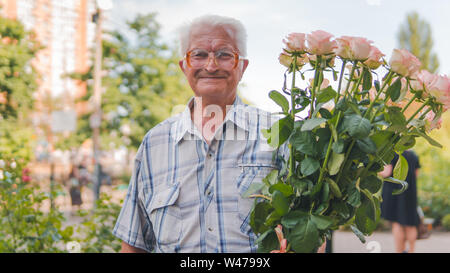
96 229
446 222
15 140
279 99
17 83
143 85
24 227
17 76
433 185
415 35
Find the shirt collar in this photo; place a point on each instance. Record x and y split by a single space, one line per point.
236 115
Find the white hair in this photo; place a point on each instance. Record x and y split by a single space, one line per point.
233 27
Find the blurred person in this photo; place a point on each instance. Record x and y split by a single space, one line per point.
75 189
401 210
83 174
191 170
105 178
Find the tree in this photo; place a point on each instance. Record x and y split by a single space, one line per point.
415 35
17 76
142 85
17 84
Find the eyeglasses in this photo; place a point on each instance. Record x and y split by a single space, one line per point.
224 58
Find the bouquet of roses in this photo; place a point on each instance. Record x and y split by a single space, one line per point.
339 138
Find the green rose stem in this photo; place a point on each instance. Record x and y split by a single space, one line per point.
260 196
384 106
345 163
409 103
418 110
390 145
315 83
350 79
327 156
355 88
417 94
341 76
404 109
426 112
388 79
347 154
291 147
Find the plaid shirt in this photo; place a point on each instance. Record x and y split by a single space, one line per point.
185 195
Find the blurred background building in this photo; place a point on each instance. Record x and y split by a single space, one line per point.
66 31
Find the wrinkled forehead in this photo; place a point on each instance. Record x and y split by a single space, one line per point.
211 38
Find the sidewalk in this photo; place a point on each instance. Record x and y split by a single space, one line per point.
347 242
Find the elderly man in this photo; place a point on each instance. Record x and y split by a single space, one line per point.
191 170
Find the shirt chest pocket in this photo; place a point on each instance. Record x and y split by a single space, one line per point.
251 173
165 215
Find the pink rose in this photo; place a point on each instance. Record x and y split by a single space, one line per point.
286 59
404 62
375 58
440 89
432 122
319 43
423 80
329 59
353 48
295 42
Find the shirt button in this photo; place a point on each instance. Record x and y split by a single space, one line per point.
210 229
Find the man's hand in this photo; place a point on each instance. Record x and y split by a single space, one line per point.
126 248
322 248
386 171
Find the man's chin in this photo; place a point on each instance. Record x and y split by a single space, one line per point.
210 90
219 94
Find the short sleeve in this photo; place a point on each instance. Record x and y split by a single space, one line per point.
133 225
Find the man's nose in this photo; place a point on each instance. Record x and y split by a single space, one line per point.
211 64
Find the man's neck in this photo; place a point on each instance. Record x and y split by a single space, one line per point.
207 116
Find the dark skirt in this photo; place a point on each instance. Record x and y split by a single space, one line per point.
75 195
402 208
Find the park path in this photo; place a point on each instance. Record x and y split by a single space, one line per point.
347 242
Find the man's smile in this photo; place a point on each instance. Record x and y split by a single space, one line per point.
212 77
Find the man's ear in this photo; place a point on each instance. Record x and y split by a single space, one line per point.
181 63
243 66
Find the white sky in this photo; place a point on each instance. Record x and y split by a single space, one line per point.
268 22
